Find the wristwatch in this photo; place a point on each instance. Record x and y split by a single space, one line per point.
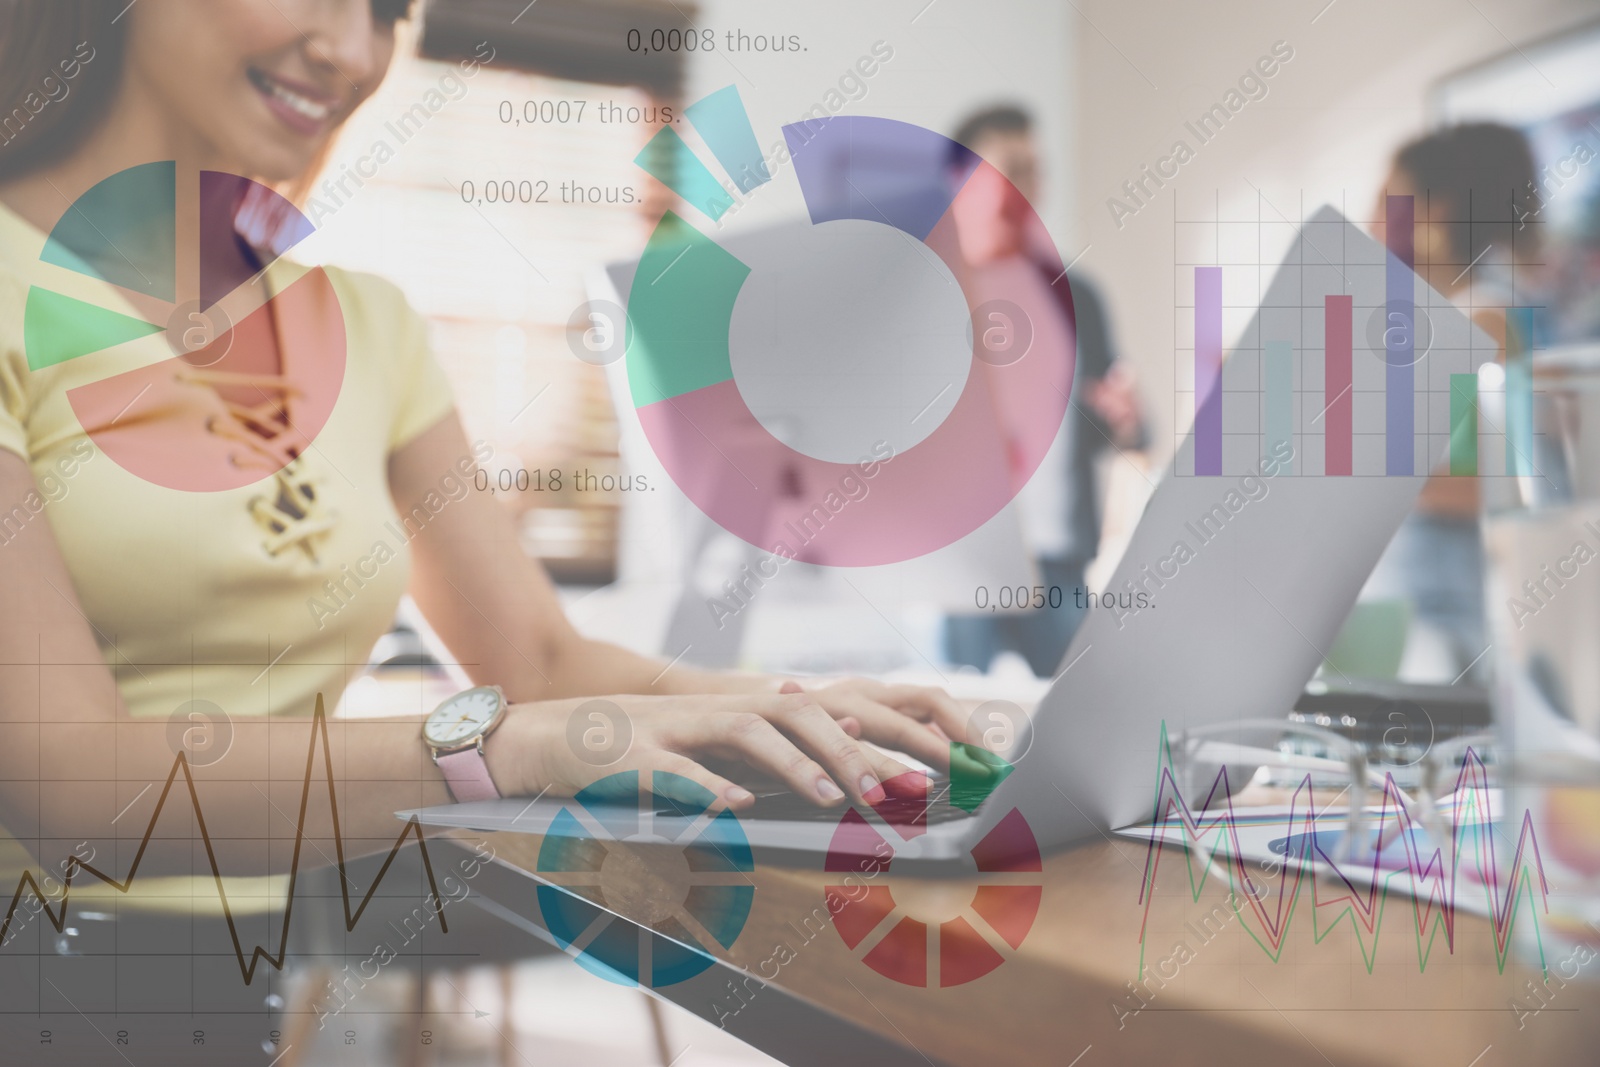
455 732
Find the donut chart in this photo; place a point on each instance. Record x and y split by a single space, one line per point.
680 367
692 891
152 418
906 949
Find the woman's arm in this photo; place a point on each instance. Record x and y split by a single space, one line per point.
495 608
71 759
75 768
496 611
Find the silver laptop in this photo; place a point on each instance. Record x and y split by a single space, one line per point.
1237 620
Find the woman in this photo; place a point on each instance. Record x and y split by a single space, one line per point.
134 598
1472 245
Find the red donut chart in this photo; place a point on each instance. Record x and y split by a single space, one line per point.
903 948
715 449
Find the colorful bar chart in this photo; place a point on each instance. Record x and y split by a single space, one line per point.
1340 357
1336 319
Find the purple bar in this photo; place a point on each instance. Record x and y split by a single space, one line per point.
1399 336
1208 370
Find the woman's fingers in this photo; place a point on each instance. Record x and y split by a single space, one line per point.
813 744
850 763
733 795
885 726
940 715
755 740
927 704
894 774
860 717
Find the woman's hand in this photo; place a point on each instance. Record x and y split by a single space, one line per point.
918 720
790 736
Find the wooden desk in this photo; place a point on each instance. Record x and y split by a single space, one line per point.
1063 998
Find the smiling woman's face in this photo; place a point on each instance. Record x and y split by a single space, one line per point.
258 86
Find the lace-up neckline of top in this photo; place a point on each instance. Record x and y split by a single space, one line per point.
292 514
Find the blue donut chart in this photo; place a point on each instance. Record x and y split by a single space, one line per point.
718 896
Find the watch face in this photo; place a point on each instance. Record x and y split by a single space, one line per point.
462 717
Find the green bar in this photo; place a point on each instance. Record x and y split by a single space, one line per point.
1464 424
1280 400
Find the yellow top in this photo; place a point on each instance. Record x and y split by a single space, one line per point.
219 594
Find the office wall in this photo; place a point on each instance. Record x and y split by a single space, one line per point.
1354 89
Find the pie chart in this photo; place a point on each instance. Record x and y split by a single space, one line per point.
692 889
233 356
911 185
970 940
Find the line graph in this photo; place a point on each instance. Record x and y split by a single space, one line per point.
1361 886
273 958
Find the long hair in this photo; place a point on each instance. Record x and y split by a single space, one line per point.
60 63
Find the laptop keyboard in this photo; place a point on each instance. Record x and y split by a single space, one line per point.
791 807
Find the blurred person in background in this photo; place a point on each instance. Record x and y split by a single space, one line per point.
1060 506
1468 183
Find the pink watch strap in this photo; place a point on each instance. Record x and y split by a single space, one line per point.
467 774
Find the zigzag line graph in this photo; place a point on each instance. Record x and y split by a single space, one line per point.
258 954
1360 888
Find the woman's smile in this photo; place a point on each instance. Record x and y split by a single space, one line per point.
303 109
